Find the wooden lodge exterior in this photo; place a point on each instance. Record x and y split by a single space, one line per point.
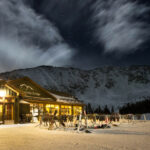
24 97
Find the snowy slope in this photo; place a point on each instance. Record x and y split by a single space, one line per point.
105 85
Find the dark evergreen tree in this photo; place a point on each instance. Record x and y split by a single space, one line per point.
106 110
98 110
89 109
112 110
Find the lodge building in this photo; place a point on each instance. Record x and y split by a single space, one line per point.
25 97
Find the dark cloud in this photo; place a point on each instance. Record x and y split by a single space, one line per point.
103 32
118 26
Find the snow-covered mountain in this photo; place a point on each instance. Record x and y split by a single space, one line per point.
105 85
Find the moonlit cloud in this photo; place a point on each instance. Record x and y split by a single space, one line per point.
28 40
30 56
118 25
80 33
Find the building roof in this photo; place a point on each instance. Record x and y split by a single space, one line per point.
63 97
31 91
2 82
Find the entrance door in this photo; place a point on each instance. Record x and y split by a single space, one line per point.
7 115
8 111
1 112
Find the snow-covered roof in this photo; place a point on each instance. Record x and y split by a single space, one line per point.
66 99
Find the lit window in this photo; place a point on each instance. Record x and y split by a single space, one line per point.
66 110
77 110
52 108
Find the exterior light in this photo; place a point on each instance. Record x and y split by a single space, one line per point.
2 93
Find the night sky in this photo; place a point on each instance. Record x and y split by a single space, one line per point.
78 33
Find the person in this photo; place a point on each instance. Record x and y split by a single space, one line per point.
45 118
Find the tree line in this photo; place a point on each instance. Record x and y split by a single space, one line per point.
140 107
99 109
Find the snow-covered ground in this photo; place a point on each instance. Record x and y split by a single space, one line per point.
145 117
15 125
128 136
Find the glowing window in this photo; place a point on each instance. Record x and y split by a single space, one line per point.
66 110
77 110
52 108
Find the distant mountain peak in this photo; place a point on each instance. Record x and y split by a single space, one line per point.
105 85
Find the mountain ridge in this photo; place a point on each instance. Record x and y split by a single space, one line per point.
108 85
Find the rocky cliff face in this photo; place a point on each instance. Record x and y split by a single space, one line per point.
106 85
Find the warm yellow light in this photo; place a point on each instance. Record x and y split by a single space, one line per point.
52 106
48 106
2 93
